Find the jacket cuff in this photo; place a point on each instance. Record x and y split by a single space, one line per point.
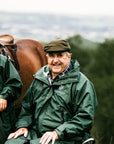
3 97
60 134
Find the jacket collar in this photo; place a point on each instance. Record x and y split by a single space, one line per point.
70 75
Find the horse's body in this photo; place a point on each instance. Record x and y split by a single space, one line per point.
31 58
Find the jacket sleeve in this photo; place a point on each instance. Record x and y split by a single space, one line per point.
12 84
84 105
26 114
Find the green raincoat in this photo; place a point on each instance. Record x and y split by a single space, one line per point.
10 90
66 106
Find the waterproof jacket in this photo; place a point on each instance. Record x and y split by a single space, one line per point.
10 90
66 106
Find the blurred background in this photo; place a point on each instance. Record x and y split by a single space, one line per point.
88 25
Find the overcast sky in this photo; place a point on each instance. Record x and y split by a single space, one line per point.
67 7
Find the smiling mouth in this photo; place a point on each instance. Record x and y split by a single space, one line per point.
56 65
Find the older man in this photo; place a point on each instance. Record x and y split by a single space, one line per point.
59 106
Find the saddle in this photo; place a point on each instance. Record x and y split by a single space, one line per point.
6 40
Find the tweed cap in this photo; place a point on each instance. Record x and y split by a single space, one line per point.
58 45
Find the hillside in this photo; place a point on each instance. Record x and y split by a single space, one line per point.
46 27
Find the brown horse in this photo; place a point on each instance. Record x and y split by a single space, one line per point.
29 58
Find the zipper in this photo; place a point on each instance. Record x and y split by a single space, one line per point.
62 117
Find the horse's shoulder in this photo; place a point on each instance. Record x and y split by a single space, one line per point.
28 44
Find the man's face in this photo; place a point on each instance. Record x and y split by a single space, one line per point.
58 62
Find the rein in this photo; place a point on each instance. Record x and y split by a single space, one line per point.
12 50
5 52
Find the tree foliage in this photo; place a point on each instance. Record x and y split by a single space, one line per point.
82 50
97 62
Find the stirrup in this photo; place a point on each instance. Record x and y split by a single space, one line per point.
89 140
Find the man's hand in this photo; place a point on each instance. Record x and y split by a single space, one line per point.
3 104
21 131
48 136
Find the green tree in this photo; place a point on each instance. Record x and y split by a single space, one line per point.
97 62
102 73
82 50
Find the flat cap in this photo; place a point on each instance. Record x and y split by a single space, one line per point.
58 45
